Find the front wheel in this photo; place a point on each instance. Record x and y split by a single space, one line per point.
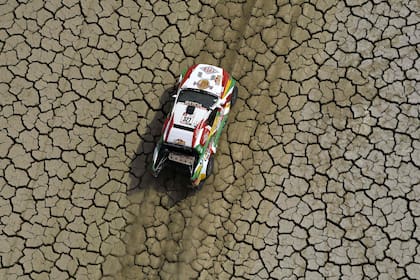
234 96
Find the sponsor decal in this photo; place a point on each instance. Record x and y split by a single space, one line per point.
203 84
218 79
180 142
208 69
207 155
192 103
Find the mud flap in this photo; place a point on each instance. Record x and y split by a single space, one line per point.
159 159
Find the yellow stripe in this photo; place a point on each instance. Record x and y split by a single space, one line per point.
215 124
227 88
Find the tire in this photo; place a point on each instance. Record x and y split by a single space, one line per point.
209 171
234 96
210 165
199 187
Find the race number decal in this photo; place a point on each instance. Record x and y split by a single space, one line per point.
187 119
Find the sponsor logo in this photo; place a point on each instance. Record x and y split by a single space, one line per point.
203 84
208 69
218 79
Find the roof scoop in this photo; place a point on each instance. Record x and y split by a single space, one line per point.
190 109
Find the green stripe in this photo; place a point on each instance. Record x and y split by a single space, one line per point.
184 72
195 175
219 132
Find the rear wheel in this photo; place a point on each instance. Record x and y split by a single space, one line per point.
210 165
234 96
209 171
200 186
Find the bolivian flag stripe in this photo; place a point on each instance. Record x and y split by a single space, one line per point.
228 86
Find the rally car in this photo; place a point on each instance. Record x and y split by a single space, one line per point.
190 134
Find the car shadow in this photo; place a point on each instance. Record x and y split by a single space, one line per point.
173 184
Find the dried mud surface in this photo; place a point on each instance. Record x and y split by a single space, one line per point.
316 176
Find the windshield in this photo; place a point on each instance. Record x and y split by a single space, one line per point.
195 96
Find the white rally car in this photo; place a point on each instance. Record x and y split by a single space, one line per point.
192 129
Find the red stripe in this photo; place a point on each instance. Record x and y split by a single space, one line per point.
196 129
187 74
165 124
202 140
194 136
171 123
225 78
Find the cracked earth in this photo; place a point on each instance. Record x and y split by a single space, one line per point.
317 172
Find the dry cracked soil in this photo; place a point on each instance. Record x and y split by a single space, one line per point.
317 175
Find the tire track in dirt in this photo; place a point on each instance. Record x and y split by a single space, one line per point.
186 256
317 169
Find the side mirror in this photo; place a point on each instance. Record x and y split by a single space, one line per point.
173 91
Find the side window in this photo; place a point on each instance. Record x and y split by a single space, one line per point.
212 117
